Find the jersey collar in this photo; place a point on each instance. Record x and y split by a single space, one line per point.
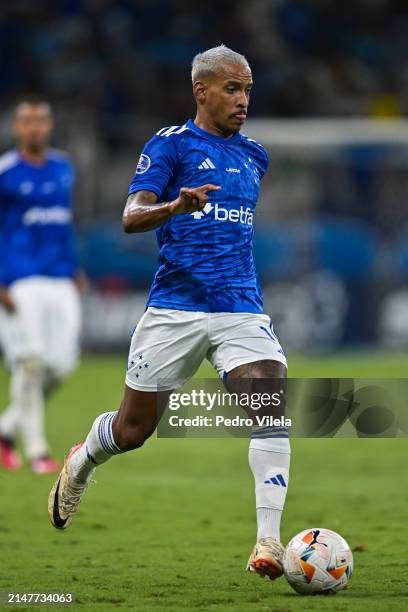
25 161
225 141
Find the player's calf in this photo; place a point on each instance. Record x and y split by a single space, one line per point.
137 417
128 436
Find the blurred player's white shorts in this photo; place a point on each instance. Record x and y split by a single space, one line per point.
46 324
168 346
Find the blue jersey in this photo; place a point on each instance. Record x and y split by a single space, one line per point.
35 217
205 261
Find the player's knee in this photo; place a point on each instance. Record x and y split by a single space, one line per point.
30 368
26 380
129 438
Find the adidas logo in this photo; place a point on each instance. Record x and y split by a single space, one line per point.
206 165
276 480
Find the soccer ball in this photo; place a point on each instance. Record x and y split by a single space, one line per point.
318 561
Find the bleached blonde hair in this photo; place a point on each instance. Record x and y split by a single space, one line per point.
210 62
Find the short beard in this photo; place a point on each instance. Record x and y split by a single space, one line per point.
35 148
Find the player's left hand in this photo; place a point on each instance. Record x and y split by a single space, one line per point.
192 199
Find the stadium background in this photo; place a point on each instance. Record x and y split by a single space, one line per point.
331 229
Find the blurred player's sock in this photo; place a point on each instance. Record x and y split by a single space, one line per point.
26 411
269 458
98 447
9 421
11 417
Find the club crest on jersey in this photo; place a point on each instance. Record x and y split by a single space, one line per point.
143 164
234 215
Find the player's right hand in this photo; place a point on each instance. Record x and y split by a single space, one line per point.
190 200
6 300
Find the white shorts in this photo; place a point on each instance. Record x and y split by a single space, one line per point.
46 324
168 345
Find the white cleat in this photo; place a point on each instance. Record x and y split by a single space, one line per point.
266 558
66 495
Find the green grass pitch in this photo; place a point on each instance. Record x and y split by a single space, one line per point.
170 527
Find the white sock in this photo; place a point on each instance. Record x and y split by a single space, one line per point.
268 520
26 411
11 418
9 421
269 458
99 446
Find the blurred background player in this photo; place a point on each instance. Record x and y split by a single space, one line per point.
40 313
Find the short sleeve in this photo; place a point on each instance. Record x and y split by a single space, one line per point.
156 166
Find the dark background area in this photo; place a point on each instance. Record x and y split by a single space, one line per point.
119 57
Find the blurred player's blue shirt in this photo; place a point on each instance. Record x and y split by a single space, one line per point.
36 234
205 262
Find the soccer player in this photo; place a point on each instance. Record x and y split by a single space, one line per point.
197 185
39 303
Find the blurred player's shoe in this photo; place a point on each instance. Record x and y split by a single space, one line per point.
45 465
266 558
66 494
9 457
